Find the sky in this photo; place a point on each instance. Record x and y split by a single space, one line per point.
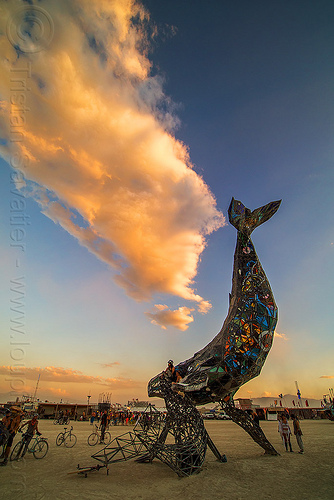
126 128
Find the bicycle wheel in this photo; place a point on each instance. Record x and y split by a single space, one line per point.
70 441
41 449
107 438
15 455
93 439
60 439
31 445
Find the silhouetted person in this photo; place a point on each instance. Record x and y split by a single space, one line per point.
256 418
298 433
103 424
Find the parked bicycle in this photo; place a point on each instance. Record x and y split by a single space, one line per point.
67 438
96 437
38 446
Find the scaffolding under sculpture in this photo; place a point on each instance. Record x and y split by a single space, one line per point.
179 439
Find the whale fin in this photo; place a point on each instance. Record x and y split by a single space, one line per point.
246 221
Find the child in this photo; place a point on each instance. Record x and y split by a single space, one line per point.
286 433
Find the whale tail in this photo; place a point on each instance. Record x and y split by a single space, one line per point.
246 221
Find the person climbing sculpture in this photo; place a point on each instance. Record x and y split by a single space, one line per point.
171 373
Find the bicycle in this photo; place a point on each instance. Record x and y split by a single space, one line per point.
61 420
96 436
38 446
67 438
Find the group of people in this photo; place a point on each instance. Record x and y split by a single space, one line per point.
63 417
10 425
285 432
115 417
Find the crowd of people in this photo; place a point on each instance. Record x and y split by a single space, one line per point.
114 417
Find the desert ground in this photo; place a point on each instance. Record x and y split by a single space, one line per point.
247 474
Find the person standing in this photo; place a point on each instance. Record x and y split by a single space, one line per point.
32 428
279 418
286 433
256 418
11 422
103 425
298 433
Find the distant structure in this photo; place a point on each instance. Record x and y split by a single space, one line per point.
104 401
136 403
329 404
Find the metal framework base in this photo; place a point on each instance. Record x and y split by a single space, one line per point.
179 439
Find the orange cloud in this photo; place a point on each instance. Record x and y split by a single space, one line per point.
61 375
179 318
109 365
327 376
204 306
281 336
99 153
58 392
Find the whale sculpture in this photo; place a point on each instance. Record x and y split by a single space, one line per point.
213 374
238 352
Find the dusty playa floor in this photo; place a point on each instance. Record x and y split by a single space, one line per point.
248 474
